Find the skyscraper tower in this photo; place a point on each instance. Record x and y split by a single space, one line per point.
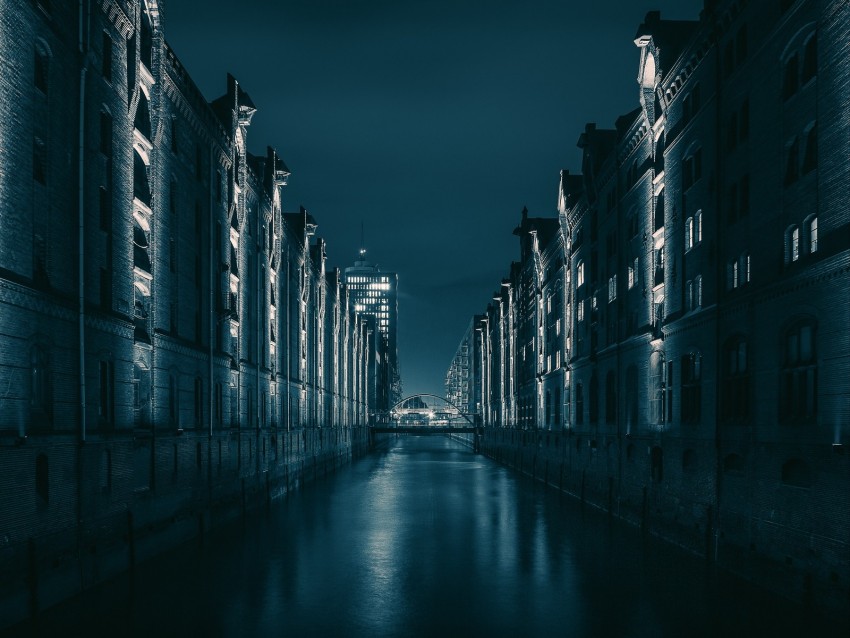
375 293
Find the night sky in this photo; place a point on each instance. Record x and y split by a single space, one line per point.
431 122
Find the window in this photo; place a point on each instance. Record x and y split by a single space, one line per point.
657 388
810 59
691 388
105 209
697 230
612 288
689 295
698 290
579 404
795 244
39 160
106 405
41 69
736 381
580 311
745 268
798 386
813 235
106 61
692 169
634 273
106 134
658 256
691 104
579 274
810 156
733 273
789 83
689 233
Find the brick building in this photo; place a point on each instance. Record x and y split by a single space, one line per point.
171 341
705 307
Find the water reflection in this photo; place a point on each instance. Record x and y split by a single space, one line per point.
427 539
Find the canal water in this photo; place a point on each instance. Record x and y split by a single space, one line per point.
426 538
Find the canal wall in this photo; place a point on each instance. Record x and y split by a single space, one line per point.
117 501
699 508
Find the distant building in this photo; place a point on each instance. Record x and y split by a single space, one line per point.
374 293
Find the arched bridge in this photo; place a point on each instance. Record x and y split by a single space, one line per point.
425 414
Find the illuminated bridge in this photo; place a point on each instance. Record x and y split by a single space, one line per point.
425 414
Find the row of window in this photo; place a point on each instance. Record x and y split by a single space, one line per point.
797 389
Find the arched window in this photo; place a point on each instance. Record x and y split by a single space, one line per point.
142 121
692 167
689 233
579 273
745 268
697 233
657 388
798 386
810 155
792 160
41 68
810 59
790 76
141 188
792 244
812 226
691 387
736 381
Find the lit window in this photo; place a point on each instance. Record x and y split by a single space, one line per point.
580 311
689 233
698 227
698 285
795 244
689 295
813 235
579 274
612 288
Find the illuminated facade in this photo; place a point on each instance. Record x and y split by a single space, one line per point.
701 309
166 330
374 293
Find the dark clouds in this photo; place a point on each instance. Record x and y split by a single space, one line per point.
432 122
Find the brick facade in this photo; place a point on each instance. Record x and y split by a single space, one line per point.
706 313
172 343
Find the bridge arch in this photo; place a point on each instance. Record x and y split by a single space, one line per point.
414 408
